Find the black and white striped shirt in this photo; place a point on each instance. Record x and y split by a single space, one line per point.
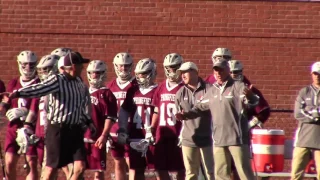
68 99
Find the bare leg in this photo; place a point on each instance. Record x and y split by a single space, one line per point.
78 169
33 173
10 166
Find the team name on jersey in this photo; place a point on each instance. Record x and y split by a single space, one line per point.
142 100
94 100
120 95
167 97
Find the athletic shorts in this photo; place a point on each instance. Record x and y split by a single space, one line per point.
118 150
96 158
167 155
64 145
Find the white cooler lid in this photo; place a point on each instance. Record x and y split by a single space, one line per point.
268 131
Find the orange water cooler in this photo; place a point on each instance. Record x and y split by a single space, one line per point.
268 150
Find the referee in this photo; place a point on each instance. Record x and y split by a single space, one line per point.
67 107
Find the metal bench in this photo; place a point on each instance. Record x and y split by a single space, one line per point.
288 149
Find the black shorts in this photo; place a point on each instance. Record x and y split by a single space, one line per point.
64 145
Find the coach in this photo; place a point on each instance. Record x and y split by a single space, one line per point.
228 101
68 102
196 133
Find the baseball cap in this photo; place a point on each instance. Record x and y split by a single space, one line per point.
315 67
187 66
220 63
72 58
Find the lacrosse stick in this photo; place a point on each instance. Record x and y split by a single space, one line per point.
141 146
2 164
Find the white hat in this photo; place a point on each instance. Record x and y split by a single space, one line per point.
316 67
187 66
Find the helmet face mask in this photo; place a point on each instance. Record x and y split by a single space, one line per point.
171 64
123 64
236 70
27 61
47 66
145 72
97 73
44 73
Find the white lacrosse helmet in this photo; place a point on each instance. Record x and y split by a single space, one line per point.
141 146
123 59
100 67
174 61
24 58
47 66
148 67
61 51
221 53
236 69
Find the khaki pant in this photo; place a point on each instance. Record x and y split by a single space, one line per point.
192 156
222 162
300 159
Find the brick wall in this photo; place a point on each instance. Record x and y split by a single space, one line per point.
276 41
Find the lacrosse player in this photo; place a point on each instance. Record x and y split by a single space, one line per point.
261 112
137 106
167 154
104 114
257 115
306 111
16 114
219 53
123 64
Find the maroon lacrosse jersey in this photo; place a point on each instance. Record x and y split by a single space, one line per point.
138 104
11 145
16 84
104 106
210 79
120 92
40 106
262 110
164 100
